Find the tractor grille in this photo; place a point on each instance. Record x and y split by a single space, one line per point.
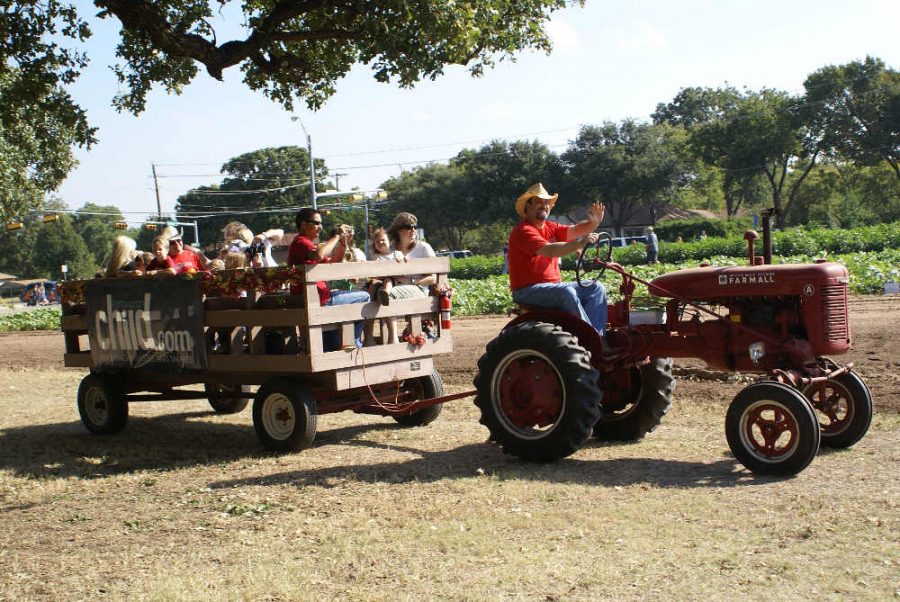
834 313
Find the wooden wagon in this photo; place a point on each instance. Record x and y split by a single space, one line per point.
244 327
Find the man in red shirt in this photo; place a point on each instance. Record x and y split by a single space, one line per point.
535 246
304 250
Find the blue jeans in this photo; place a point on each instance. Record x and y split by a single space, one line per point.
331 339
588 302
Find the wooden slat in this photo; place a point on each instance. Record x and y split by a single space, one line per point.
258 363
373 269
78 360
335 360
332 314
381 373
255 317
74 322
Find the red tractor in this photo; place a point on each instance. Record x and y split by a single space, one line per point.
549 382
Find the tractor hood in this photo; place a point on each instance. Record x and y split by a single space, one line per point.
708 283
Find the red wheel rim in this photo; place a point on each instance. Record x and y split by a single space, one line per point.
833 406
528 392
769 431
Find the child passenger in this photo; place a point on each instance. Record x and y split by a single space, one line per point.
162 262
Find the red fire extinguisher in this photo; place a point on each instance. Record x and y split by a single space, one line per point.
446 306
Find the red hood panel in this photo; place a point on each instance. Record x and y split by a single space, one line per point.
755 281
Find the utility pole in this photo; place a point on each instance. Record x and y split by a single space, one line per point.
337 180
312 165
156 187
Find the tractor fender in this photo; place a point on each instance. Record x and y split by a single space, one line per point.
589 338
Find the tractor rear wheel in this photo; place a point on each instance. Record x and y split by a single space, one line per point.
772 429
844 408
425 387
222 400
537 392
284 415
630 414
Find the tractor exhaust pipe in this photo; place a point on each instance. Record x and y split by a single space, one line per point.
767 234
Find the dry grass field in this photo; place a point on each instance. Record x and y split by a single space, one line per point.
185 504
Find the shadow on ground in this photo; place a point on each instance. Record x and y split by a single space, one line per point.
188 439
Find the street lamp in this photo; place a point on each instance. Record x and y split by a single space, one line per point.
312 166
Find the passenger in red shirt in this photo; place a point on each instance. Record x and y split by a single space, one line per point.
535 246
185 259
304 250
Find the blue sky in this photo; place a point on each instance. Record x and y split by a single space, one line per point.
612 60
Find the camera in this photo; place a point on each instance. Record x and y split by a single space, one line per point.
255 249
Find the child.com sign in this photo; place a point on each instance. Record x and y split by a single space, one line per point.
147 323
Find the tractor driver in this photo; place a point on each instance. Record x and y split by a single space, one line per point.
535 246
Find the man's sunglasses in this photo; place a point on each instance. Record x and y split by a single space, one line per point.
314 223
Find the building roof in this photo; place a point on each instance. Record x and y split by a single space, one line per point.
6 276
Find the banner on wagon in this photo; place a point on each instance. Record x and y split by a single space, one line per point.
147 323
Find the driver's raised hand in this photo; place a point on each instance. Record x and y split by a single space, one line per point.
596 212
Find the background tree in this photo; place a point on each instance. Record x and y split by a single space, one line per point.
498 172
861 102
261 188
301 49
627 166
748 135
39 122
98 231
441 199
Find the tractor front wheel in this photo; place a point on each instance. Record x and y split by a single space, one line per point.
772 429
631 413
844 408
537 392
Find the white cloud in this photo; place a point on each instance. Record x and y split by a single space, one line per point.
641 35
563 35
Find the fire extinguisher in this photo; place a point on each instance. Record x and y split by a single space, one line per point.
446 306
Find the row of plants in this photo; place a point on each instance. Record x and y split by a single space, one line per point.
796 242
45 318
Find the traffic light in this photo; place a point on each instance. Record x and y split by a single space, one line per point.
13 226
122 225
149 226
50 217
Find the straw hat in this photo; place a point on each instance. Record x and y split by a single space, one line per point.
535 191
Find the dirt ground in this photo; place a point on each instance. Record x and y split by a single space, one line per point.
185 504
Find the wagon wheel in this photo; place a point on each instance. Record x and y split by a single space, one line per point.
284 415
102 404
222 399
844 408
424 387
592 260
630 414
537 392
772 429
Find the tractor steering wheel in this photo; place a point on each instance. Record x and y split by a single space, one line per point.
593 258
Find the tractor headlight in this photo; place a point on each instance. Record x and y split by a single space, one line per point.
757 351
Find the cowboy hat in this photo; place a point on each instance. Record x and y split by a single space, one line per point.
535 191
